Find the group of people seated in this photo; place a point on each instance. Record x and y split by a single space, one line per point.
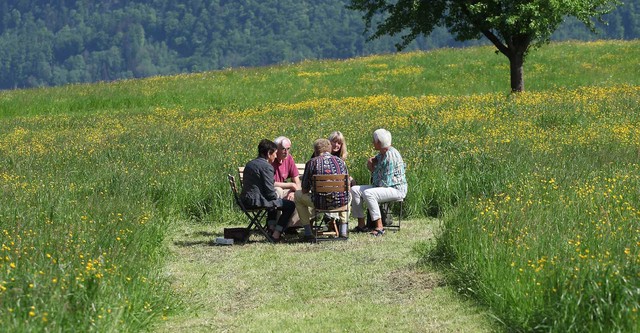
291 202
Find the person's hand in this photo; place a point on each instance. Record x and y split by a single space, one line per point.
371 163
292 187
290 195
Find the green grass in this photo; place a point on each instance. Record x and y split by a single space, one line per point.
537 192
366 284
445 72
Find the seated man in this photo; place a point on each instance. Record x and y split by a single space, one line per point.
285 168
258 190
323 164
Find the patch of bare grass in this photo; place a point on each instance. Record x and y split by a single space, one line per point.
364 284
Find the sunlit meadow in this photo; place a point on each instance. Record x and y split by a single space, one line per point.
538 191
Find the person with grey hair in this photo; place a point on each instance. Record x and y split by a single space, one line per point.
388 183
285 169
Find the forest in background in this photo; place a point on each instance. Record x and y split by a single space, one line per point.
80 41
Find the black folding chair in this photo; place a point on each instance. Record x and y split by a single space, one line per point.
389 219
257 216
386 211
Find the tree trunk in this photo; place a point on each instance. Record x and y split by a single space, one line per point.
516 62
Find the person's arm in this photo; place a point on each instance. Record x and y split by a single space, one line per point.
267 176
294 184
371 163
291 186
305 184
298 182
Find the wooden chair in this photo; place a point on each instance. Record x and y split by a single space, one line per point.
329 184
256 216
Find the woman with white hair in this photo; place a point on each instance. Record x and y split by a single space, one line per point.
388 183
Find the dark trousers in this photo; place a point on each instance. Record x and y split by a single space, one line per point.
287 207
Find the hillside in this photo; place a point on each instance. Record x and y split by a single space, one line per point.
474 70
84 41
112 194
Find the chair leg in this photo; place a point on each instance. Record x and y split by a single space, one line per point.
256 225
335 228
385 207
400 216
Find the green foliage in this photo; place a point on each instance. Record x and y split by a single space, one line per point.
82 41
512 26
93 177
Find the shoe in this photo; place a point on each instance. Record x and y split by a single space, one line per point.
308 238
377 232
360 229
278 240
291 231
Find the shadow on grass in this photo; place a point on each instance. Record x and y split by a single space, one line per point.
194 239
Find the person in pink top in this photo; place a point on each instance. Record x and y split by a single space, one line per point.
287 177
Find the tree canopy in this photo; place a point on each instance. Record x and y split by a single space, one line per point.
513 26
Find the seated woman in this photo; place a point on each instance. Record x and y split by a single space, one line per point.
388 183
258 188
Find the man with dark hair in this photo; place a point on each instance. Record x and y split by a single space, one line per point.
258 187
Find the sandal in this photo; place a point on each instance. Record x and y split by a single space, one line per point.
377 232
360 229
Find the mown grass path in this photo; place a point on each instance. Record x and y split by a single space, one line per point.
366 284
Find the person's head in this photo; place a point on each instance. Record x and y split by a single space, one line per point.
338 144
284 146
381 139
267 149
321 146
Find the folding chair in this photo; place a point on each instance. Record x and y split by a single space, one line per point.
385 208
257 216
329 184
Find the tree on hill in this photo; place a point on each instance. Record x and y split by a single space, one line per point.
513 26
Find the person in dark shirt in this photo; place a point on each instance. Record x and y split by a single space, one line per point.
258 188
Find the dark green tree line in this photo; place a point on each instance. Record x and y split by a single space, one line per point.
75 41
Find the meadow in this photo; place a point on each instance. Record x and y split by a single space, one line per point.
537 192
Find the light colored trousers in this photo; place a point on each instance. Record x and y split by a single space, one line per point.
304 207
371 196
